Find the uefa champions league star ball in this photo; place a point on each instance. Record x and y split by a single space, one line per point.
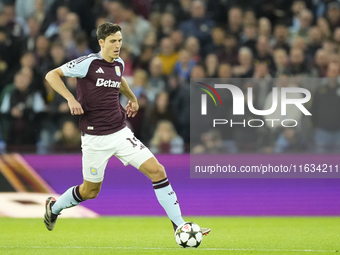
188 235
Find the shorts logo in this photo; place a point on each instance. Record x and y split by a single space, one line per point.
118 71
93 171
71 64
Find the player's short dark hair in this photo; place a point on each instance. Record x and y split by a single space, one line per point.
106 29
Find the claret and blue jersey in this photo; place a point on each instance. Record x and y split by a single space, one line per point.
98 86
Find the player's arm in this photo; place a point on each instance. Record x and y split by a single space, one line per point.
132 107
54 79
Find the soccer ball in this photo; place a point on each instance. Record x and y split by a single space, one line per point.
188 235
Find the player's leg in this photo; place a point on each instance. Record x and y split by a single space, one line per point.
163 190
53 207
94 159
90 190
75 195
132 151
71 197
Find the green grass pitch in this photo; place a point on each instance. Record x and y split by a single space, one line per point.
154 235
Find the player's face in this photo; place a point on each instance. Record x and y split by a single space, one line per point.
111 46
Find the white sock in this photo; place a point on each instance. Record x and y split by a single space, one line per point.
70 198
168 199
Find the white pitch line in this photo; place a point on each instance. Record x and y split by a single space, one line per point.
150 248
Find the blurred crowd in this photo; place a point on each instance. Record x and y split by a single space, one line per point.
165 43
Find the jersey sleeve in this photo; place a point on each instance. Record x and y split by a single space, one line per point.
77 67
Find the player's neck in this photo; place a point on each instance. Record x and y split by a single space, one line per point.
107 58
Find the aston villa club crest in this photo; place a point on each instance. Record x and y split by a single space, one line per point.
93 171
118 71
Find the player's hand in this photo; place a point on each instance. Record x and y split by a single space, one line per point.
132 109
75 107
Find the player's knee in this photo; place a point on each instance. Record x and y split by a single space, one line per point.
157 173
92 194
